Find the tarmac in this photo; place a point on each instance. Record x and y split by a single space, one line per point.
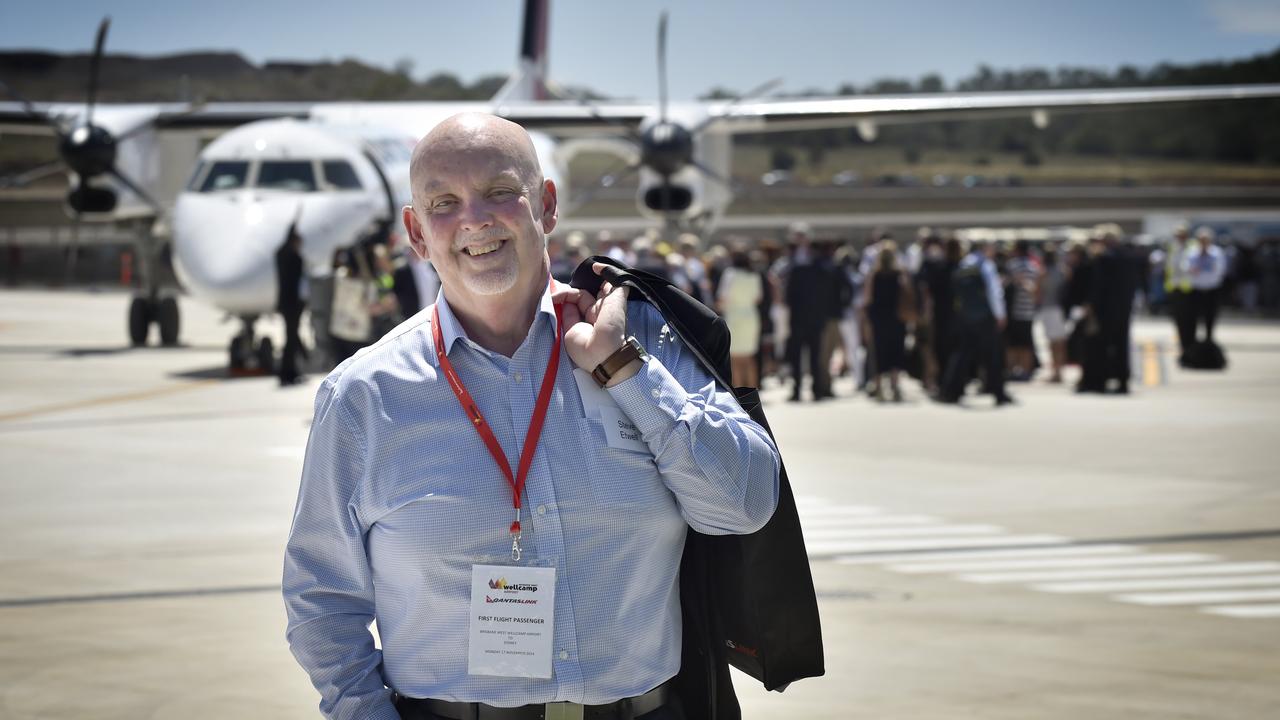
1068 557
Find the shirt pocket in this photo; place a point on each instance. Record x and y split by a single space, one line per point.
618 476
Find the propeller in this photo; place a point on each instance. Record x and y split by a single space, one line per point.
86 149
667 146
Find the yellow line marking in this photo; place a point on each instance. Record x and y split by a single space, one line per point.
106 400
1150 364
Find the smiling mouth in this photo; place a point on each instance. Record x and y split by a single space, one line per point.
478 250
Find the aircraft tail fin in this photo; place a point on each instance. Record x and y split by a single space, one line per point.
529 81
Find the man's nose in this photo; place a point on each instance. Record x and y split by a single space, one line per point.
476 216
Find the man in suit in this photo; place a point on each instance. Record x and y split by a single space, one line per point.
290 304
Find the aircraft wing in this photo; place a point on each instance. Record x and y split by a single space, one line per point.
570 118
803 114
580 119
120 118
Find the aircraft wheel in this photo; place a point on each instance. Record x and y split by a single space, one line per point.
168 321
239 354
266 356
139 321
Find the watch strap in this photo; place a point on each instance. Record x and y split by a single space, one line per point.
630 350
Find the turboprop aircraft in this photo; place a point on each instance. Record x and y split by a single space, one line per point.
226 219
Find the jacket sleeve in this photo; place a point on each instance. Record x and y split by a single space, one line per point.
720 464
328 585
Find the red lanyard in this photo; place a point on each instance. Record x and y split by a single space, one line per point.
472 410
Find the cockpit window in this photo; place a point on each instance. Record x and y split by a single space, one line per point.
225 175
340 174
295 175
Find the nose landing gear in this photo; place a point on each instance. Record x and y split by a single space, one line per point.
246 358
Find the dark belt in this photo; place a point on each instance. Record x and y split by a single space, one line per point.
624 709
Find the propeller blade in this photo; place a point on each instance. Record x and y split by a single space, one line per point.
751 94
137 190
31 109
595 114
662 67
95 64
30 176
580 200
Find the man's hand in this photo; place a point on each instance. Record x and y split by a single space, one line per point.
597 327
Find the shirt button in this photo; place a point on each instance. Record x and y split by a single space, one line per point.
654 392
564 654
518 377
542 509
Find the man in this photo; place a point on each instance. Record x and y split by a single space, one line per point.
1115 272
979 317
1177 287
405 493
1024 275
289 303
835 293
1206 266
805 281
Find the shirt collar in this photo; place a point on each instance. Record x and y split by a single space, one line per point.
451 329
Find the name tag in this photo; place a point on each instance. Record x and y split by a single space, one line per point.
512 616
597 404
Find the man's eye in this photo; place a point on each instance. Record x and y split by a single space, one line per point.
441 205
501 193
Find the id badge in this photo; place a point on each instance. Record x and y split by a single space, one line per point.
598 405
512 619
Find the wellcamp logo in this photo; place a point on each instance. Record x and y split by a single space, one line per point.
502 584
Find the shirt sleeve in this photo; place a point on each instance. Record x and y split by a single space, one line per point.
720 464
328 585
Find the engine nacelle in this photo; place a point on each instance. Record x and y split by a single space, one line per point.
679 196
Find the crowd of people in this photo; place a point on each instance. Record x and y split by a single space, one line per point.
936 309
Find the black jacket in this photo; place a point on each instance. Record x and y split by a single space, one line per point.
755 589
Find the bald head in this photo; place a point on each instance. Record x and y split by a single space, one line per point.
473 135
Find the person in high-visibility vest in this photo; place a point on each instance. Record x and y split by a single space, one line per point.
1177 286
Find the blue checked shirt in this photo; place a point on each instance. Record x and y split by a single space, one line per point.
399 497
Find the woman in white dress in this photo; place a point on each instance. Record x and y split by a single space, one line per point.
738 300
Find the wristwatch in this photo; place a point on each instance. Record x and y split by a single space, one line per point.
630 350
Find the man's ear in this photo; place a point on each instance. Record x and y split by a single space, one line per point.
414 229
550 206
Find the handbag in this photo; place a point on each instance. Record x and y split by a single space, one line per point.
747 599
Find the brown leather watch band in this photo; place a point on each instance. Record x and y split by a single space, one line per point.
630 350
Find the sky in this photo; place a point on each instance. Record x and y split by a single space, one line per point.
610 45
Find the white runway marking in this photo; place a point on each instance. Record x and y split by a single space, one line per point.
868 521
1115 573
1244 611
838 533
995 565
853 546
988 554
1179 583
1200 598
837 511
997 553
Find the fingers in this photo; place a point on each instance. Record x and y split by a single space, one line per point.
566 294
572 315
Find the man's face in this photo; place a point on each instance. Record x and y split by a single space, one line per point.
481 220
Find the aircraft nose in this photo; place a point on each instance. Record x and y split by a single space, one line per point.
224 248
